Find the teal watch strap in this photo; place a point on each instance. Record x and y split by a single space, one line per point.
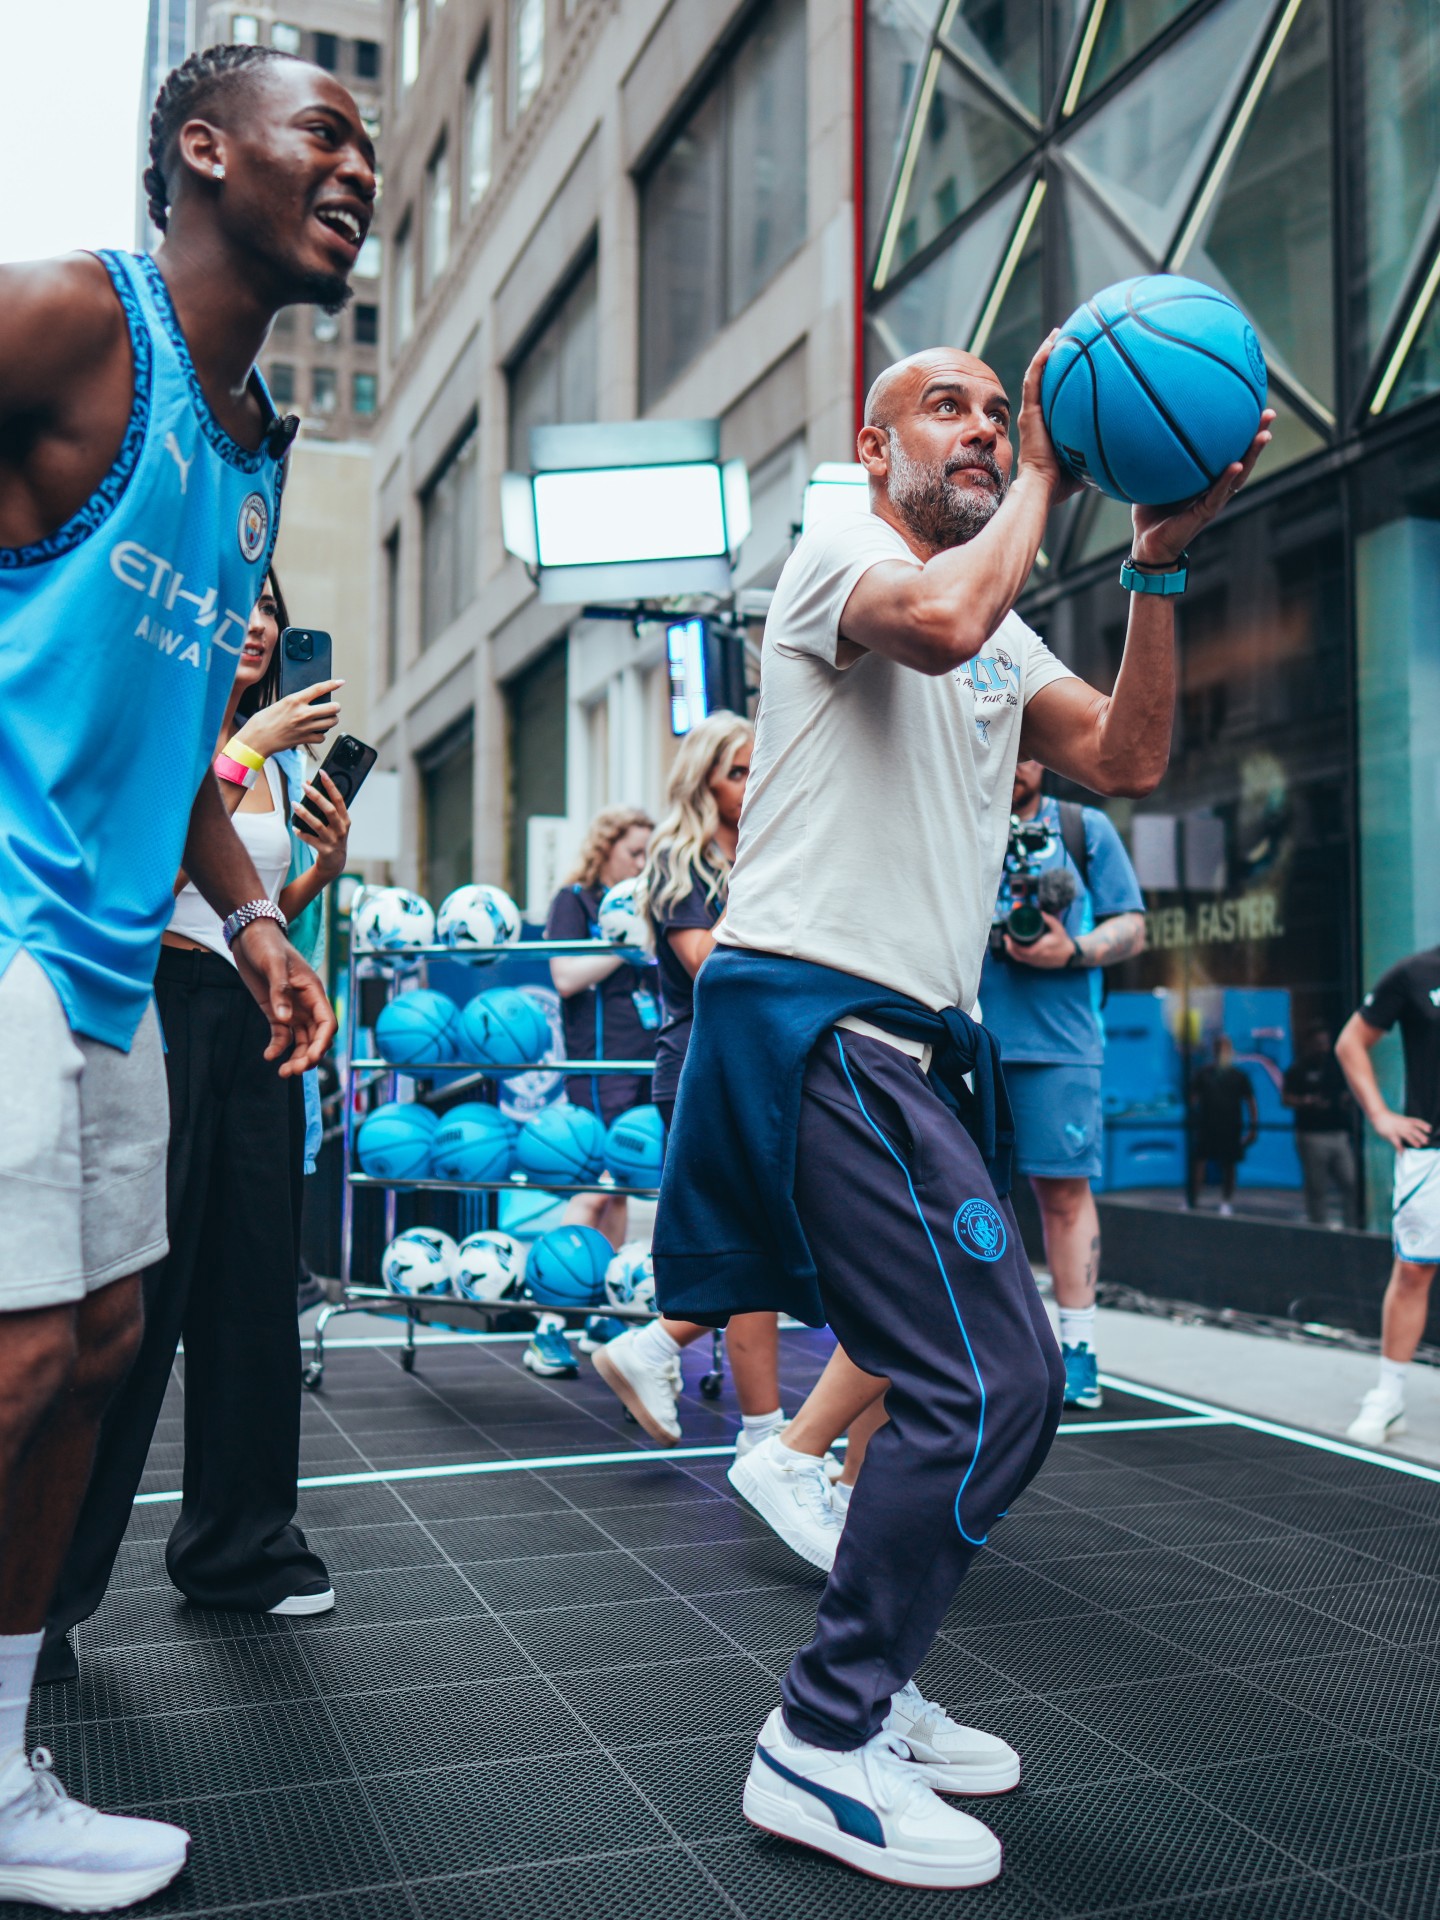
1135 580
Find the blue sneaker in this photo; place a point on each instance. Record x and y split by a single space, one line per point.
548 1354
599 1330
1082 1377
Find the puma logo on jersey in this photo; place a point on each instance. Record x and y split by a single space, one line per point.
172 447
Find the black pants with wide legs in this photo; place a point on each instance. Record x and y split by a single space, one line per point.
227 1286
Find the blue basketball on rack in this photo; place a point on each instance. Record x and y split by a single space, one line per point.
503 1025
420 1029
561 1143
473 1142
394 1141
635 1146
1154 387
566 1267
529 1211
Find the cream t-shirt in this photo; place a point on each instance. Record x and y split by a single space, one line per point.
878 804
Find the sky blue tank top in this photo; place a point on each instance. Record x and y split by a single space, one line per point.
119 638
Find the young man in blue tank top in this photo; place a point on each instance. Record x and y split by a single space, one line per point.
140 473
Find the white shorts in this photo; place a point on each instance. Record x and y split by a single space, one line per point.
84 1130
1416 1224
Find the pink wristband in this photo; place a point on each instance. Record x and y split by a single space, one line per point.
232 770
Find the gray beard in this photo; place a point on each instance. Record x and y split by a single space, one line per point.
938 514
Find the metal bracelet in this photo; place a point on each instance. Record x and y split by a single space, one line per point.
252 910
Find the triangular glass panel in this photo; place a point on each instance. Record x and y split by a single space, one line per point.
896 40
1093 251
1124 28
963 143
1292 438
1018 327
1003 42
1266 240
1420 373
1107 528
940 305
1146 149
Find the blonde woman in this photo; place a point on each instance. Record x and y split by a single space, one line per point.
682 894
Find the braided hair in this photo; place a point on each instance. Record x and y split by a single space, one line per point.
187 92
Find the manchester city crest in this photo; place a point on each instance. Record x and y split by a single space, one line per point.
254 525
980 1230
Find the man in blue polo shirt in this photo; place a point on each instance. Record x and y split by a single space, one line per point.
1040 1002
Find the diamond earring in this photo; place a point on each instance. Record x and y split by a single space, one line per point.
217 173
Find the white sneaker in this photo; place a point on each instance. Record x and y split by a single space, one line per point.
956 1759
1381 1417
871 1808
319 1597
792 1495
649 1389
747 1443
57 1852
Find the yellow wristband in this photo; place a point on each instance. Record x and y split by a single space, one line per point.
247 756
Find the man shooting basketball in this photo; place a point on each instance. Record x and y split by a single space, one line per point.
140 473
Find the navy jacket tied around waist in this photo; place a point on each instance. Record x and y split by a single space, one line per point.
727 1236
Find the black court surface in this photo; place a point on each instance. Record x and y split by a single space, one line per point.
1217 1649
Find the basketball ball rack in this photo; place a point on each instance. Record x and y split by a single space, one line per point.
362 1074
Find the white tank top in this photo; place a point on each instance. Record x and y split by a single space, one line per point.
266 839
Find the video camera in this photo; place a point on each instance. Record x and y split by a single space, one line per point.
1027 894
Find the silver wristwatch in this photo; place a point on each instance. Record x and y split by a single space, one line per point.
252 910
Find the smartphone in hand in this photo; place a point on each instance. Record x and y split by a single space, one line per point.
347 763
304 659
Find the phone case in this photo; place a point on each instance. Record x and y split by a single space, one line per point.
296 675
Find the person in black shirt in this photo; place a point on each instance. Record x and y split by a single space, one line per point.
1226 1120
1314 1090
1407 996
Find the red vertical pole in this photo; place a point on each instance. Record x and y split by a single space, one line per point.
857 168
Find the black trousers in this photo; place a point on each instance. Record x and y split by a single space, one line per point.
924 1279
237 1133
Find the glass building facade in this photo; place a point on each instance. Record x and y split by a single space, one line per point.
1021 154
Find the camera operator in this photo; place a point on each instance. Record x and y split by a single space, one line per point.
1069 905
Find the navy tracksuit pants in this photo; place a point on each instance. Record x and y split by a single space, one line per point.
924 1280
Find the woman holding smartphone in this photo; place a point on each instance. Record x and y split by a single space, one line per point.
238 1149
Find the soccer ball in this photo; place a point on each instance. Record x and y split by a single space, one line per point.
630 1277
421 1262
619 922
477 917
492 1266
382 918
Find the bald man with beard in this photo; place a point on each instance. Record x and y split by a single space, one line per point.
840 1142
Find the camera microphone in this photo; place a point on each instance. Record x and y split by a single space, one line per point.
1056 890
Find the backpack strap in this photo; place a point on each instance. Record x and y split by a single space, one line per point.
1072 833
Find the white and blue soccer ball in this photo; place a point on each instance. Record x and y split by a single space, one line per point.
422 1263
477 917
630 1277
619 921
383 918
492 1267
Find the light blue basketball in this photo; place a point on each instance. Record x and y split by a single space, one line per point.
566 1267
420 1029
501 1026
1153 388
561 1143
394 1141
635 1146
527 1212
473 1142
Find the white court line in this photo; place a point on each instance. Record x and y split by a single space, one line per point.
548 1462
1276 1431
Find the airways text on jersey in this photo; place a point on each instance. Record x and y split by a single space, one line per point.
158 579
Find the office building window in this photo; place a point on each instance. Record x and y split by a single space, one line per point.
556 377
527 52
245 30
535 715
479 130
364 391
367 59
368 264
447 789
409 44
723 208
325 326
449 537
327 51
367 323
437 213
391 587
285 38
280 378
402 310
324 389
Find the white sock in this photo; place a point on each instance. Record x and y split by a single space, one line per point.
18 1654
1077 1327
656 1344
792 1457
1392 1377
840 1494
757 1425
